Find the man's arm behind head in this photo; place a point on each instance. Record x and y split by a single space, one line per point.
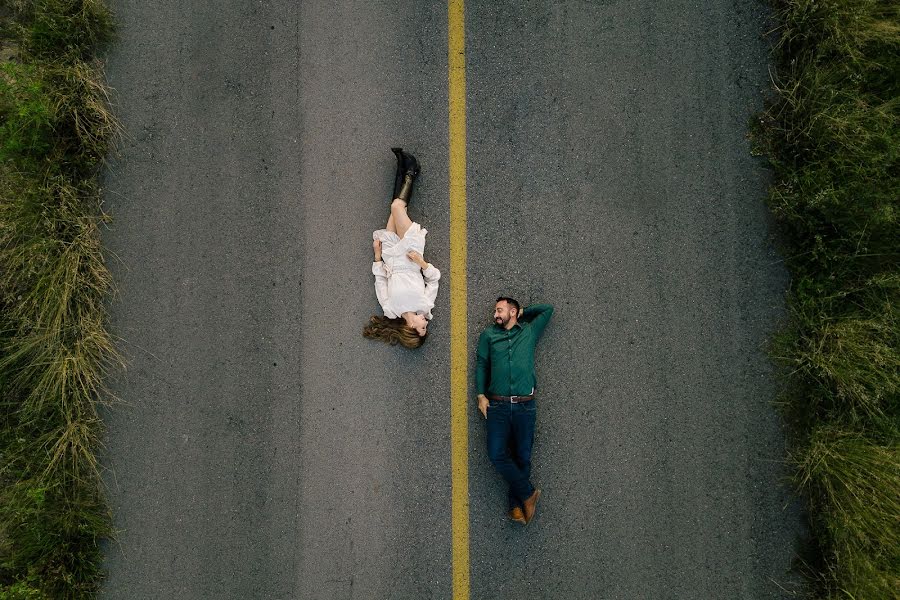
538 315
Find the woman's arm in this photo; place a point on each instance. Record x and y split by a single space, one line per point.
376 247
381 287
381 279
431 275
429 272
380 282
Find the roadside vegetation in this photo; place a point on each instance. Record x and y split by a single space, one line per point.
55 130
832 134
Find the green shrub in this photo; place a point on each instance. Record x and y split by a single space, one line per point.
22 590
54 117
26 120
65 29
55 533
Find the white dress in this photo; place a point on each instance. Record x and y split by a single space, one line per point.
399 284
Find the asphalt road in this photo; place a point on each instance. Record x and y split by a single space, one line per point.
264 449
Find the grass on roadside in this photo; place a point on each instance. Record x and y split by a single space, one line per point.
852 483
832 135
55 130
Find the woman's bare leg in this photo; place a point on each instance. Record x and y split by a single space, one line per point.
390 224
401 220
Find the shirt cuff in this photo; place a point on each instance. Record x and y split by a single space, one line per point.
431 272
378 268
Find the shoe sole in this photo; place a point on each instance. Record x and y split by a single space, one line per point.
536 498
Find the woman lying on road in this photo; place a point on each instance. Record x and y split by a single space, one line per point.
405 284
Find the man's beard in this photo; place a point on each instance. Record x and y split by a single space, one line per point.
501 321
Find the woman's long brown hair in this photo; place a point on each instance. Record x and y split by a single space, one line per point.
393 331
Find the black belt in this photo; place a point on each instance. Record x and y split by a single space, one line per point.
512 399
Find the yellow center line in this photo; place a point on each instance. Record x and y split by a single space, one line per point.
459 428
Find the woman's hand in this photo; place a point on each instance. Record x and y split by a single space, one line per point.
376 246
417 258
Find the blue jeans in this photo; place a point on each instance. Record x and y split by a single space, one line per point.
510 436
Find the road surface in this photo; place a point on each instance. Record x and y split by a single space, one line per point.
264 449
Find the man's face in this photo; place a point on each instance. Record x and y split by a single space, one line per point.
503 312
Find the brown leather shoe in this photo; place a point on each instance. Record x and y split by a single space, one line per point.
531 505
517 515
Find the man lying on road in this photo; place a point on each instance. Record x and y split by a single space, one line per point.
505 382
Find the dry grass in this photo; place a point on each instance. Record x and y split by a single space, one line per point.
55 130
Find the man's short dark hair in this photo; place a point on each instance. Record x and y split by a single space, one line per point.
509 301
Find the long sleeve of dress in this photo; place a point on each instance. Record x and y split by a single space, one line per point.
381 287
431 275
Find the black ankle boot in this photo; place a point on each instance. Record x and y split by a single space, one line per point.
406 190
410 164
401 170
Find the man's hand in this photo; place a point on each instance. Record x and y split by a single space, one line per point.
376 246
483 404
417 258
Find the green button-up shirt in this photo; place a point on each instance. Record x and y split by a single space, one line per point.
505 364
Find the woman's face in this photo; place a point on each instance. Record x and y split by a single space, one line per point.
419 323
